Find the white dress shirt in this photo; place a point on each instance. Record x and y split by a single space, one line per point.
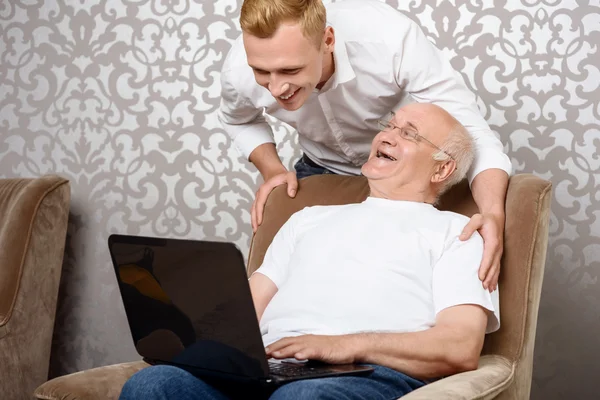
382 60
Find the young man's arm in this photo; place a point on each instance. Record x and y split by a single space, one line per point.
425 73
265 158
489 192
453 345
243 122
246 126
440 84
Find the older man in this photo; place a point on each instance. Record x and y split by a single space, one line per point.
385 282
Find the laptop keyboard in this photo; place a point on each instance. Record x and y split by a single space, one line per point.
291 370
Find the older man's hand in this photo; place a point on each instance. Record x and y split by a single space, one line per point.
491 229
330 349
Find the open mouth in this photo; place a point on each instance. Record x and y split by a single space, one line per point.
381 154
289 96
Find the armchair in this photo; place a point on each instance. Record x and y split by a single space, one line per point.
505 366
33 227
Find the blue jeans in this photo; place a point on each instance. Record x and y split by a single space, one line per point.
164 382
304 167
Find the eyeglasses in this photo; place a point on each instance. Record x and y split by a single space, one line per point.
407 134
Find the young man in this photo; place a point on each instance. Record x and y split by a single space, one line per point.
331 74
384 282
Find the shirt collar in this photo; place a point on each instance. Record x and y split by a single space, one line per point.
343 69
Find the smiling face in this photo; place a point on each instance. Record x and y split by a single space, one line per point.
288 64
400 165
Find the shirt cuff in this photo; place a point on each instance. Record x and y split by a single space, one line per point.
487 159
249 138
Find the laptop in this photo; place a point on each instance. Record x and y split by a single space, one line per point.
188 304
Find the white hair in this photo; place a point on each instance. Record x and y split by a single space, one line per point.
460 146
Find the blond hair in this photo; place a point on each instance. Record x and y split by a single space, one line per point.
460 146
261 18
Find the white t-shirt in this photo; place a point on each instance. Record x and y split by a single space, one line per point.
377 266
386 63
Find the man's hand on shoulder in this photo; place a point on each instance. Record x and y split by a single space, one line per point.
489 192
491 229
265 158
337 349
258 207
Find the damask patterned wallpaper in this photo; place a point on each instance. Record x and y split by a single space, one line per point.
120 97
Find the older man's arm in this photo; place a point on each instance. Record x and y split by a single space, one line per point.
453 345
266 280
263 289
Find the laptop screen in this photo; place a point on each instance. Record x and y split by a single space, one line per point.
188 303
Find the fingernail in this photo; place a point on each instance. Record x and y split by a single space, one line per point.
266 349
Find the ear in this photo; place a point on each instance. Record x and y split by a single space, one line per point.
328 39
443 170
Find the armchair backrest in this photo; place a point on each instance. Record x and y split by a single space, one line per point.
525 243
33 226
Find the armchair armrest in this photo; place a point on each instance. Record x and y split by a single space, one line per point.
94 384
494 374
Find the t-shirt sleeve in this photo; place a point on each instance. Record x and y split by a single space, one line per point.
456 280
276 263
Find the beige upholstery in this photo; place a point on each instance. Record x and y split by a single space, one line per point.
96 383
33 227
506 365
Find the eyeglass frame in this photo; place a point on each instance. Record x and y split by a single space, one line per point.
416 136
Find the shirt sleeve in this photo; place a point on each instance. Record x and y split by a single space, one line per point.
276 262
424 72
243 122
455 280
